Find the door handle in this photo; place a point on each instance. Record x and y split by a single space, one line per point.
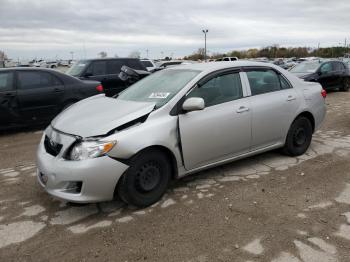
291 98
57 90
9 95
242 109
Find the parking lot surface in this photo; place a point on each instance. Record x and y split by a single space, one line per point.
265 208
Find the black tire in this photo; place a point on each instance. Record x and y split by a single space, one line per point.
346 85
146 180
299 137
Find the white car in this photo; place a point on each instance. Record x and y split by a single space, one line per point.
149 64
228 58
173 123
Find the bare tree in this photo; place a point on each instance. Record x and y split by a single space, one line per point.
135 54
3 56
102 54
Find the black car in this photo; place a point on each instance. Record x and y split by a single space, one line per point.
330 74
106 71
33 95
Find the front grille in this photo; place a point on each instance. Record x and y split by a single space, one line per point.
51 147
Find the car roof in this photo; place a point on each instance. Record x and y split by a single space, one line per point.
110 58
28 68
214 66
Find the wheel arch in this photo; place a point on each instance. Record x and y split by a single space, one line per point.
170 155
309 116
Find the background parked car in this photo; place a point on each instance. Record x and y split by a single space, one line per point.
281 63
228 58
330 74
33 94
106 71
149 64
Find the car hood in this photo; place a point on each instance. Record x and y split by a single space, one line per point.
98 115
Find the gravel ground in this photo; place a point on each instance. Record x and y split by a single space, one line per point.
266 208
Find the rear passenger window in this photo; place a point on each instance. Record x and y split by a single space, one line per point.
29 80
135 64
263 81
284 83
338 66
56 81
6 81
219 90
114 66
97 68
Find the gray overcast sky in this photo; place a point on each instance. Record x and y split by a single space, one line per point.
50 28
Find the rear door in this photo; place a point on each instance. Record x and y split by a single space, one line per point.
340 72
106 72
328 77
8 98
223 128
39 94
273 106
115 85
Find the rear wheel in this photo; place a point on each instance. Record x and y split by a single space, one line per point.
299 137
346 85
146 180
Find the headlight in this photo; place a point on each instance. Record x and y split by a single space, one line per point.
90 149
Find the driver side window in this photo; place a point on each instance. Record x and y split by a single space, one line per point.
220 89
325 68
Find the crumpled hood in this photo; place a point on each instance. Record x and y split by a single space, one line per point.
98 115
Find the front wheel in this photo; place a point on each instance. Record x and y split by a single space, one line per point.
299 137
146 180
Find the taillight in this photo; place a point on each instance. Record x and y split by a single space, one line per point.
324 93
99 88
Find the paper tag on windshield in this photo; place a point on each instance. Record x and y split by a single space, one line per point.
160 95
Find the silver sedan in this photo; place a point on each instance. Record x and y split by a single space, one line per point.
175 122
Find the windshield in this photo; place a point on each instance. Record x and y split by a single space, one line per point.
306 67
159 87
77 68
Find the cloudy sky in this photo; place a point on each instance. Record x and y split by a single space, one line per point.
50 28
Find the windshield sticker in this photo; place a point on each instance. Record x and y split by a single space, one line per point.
160 95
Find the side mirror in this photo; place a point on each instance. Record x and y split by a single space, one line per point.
319 73
193 104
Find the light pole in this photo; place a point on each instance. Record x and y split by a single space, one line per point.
205 31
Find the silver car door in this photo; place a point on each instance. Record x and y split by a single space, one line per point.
223 128
274 106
